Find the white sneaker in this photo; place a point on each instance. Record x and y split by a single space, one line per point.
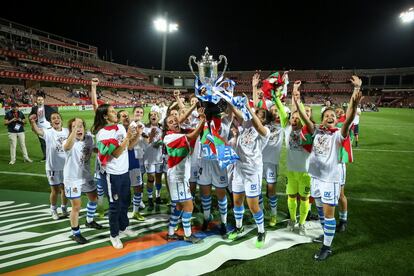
116 242
12 162
28 160
128 233
291 225
302 230
54 214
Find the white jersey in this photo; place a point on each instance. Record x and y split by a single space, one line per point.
120 165
249 148
356 119
41 118
153 153
297 156
55 155
77 165
273 148
324 158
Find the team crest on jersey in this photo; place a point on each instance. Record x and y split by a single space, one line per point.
321 145
75 190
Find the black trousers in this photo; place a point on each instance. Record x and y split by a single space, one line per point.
43 146
118 190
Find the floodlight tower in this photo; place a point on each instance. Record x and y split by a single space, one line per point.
165 27
407 16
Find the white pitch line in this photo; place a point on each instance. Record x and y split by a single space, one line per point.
385 150
24 209
36 225
22 173
34 257
381 200
24 218
24 212
14 206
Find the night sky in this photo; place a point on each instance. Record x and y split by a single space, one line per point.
263 35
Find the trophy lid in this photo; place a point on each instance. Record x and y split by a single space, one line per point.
207 58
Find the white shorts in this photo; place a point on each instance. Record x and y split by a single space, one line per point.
194 174
179 190
54 177
73 191
250 184
135 177
328 192
270 173
342 174
210 173
153 168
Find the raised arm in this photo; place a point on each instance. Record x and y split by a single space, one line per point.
72 136
94 84
193 135
256 122
187 112
295 94
255 83
178 99
237 113
304 118
352 107
34 126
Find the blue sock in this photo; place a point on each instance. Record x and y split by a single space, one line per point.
238 215
175 215
173 205
99 188
136 201
206 203
329 231
259 219
158 187
91 209
273 205
149 192
76 231
343 215
186 219
223 209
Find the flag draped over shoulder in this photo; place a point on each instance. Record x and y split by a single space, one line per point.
214 146
345 152
107 146
178 147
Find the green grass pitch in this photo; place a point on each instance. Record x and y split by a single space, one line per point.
380 190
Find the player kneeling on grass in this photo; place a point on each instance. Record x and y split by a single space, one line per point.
248 172
179 144
323 164
79 147
55 159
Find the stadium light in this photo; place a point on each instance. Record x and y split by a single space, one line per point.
407 16
164 26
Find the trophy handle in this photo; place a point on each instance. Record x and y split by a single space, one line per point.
192 58
221 57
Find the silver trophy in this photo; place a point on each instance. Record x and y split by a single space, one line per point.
207 67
